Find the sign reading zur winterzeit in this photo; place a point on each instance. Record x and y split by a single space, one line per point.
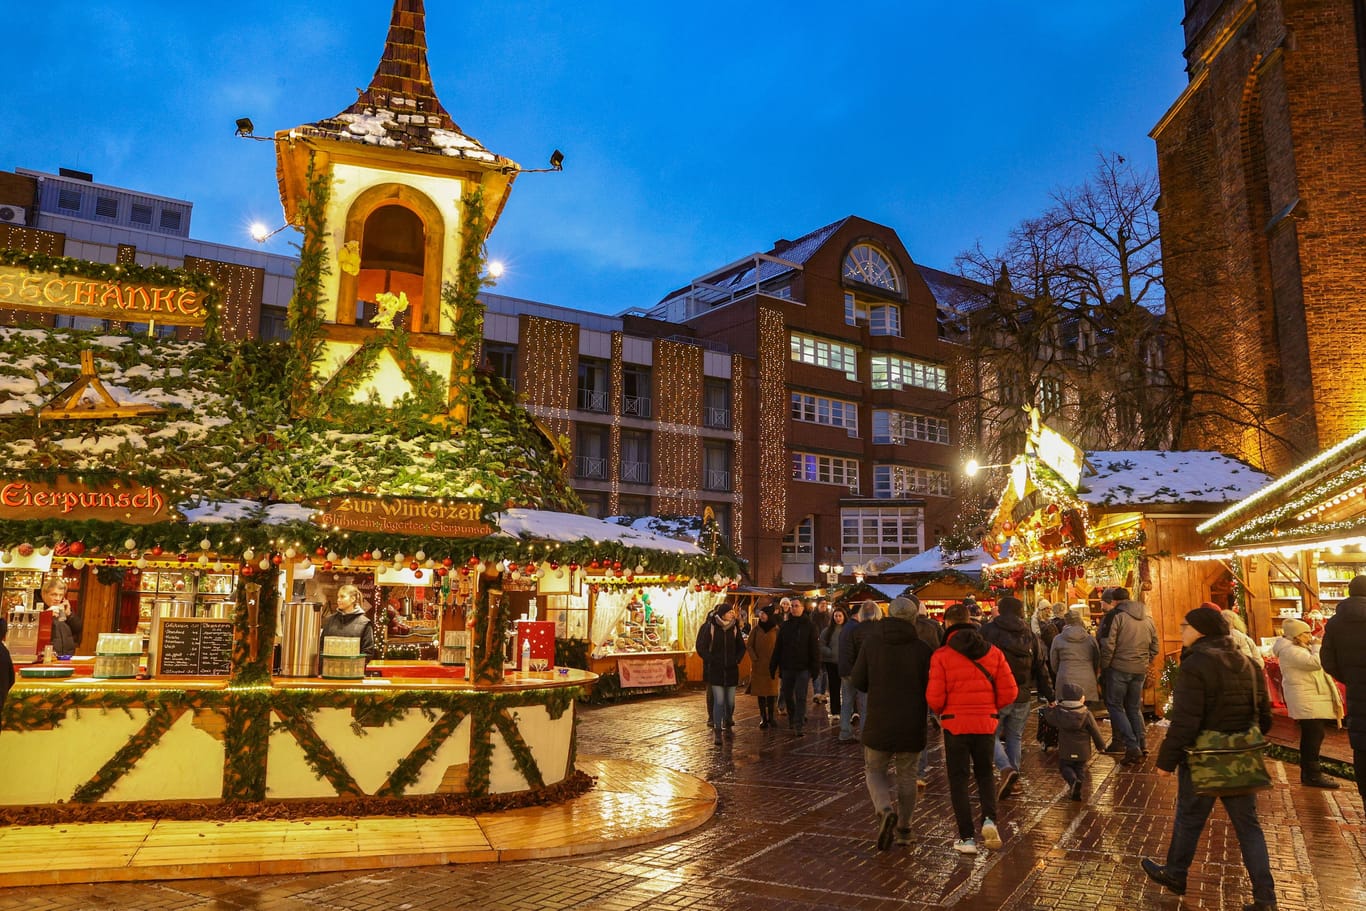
400 515
99 298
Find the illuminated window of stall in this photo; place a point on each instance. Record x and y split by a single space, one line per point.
392 256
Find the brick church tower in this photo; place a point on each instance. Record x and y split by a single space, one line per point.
1262 161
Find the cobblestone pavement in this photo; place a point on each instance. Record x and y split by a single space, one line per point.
794 832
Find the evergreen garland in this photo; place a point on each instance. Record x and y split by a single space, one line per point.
305 318
159 720
246 742
319 756
522 756
410 766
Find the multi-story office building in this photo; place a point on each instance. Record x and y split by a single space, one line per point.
68 214
844 431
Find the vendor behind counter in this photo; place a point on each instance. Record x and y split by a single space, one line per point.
350 621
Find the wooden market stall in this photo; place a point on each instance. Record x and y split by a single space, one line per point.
1077 523
1290 548
940 579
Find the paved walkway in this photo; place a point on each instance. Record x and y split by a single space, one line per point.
794 833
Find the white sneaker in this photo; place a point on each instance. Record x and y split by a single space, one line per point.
991 837
965 846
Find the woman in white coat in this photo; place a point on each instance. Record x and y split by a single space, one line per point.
1311 697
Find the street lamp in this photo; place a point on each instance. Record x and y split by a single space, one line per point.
973 467
832 572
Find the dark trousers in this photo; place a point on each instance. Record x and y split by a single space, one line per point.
832 680
1191 812
1359 763
1071 770
1311 743
970 755
794 696
767 705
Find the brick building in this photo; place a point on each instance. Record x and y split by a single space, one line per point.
69 214
1262 162
844 441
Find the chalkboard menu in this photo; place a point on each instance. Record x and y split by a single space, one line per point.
193 647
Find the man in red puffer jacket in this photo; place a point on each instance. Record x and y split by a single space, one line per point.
970 682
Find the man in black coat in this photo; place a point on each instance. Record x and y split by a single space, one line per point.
893 667
1344 657
1217 689
796 659
1010 633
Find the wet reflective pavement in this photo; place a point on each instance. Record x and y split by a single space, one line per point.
795 830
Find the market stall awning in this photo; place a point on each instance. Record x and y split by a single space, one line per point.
935 561
1319 504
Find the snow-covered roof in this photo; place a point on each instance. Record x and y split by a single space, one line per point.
933 561
544 525
1147 477
682 528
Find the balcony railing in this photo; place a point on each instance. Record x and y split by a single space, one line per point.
592 400
716 479
635 472
636 406
717 417
588 467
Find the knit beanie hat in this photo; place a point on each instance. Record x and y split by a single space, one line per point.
903 608
1070 692
1010 605
1292 628
1119 594
1207 622
1357 587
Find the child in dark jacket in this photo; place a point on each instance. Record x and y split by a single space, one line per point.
1077 730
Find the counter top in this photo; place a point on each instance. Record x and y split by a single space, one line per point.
514 682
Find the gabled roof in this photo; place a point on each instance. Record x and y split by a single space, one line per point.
400 109
1146 477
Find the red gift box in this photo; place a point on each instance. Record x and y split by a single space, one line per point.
541 635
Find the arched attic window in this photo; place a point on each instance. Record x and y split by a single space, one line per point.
870 266
393 253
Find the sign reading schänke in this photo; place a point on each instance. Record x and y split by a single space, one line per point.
101 298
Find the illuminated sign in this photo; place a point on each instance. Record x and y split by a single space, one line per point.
1058 453
100 298
128 503
441 518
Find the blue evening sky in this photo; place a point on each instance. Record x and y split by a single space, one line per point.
693 133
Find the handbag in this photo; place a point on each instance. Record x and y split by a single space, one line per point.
1226 765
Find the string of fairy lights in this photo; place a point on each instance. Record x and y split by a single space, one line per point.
615 393
680 441
737 421
239 287
774 467
552 376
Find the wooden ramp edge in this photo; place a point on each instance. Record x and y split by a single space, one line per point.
633 803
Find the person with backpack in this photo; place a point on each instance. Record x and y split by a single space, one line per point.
970 682
1010 633
1128 648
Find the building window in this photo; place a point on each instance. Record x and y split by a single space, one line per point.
881 319
892 372
140 214
593 386
716 404
815 409
106 207
69 200
898 427
502 360
274 324
170 220
824 353
893 481
594 503
1009 387
590 458
633 506
716 466
722 513
635 391
824 469
800 543
889 532
1050 394
635 457
868 264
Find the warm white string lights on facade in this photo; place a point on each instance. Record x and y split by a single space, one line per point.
774 465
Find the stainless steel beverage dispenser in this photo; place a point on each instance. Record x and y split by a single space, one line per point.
299 638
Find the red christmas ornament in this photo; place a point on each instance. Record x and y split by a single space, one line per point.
62 549
417 574
573 567
327 566
473 561
182 557
156 551
464 570
413 566
277 559
442 571
616 566
530 568
320 551
593 565
554 566
447 562
248 569
25 550
77 548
